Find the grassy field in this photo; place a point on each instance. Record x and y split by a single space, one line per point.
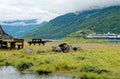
93 61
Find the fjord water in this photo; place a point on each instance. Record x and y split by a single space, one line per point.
9 72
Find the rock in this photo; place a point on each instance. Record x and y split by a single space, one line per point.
76 48
29 51
41 51
56 49
64 47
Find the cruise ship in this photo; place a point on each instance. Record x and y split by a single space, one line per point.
104 36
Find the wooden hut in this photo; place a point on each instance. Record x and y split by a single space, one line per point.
5 39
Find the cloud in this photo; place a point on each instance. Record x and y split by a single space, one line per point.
47 9
15 24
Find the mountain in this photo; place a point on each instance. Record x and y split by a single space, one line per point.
18 28
97 20
4 35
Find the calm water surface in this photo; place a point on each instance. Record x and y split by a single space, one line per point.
9 72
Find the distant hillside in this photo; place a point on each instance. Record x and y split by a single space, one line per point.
19 28
99 20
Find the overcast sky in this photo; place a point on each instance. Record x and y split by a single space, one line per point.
47 9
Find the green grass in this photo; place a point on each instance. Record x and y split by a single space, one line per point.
83 41
94 61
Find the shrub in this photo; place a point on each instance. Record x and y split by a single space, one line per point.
62 65
7 63
93 76
43 72
22 66
2 60
93 69
80 58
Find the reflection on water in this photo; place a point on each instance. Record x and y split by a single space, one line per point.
11 73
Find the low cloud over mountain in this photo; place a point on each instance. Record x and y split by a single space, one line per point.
18 28
44 10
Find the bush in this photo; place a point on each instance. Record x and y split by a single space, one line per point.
93 76
80 58
93 69
43 72
62 65
7 63
2 60
22 66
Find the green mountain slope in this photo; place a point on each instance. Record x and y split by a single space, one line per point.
99 20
